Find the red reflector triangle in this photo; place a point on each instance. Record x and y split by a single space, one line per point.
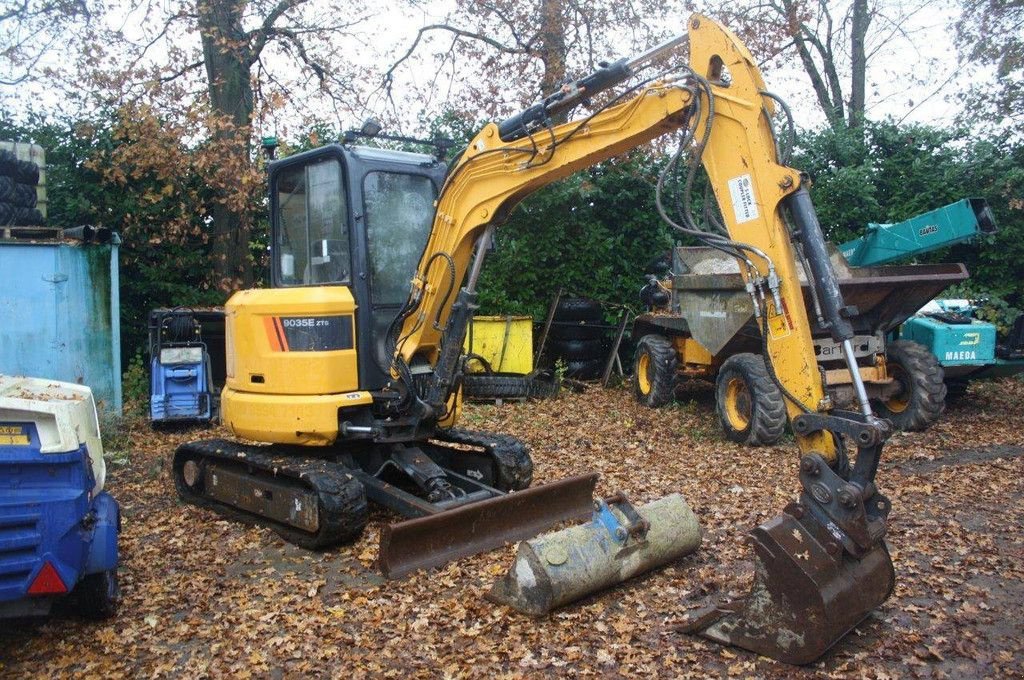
47 582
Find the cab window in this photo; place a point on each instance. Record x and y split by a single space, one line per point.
399 213
312 244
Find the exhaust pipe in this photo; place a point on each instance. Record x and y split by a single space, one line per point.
619 543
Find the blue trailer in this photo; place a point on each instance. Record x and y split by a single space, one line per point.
58 527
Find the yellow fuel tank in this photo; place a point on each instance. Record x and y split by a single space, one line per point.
291 363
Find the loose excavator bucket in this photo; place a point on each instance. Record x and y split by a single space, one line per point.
807 593
473 528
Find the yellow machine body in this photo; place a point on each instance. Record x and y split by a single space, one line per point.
291 364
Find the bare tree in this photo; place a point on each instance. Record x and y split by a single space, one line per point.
30 30
991 32
204 70
504 53
835 42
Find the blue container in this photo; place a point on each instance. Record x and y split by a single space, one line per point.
953 344
59 314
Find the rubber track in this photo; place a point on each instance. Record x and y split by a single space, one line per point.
342 499
511 455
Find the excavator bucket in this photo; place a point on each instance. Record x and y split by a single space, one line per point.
473 528
808 592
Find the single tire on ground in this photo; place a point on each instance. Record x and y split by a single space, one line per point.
654 370
577 350
96 595
922 397
749 404
503 386
578 309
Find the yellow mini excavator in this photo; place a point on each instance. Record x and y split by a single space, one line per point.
350 382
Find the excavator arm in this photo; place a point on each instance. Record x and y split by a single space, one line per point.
822 565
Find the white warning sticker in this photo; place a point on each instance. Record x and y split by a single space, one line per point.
741 189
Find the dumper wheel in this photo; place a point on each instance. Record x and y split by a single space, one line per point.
749 404
654 371
922 396
97 595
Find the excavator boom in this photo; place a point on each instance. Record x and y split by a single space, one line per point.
822 566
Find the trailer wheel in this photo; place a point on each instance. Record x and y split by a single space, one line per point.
922 396
97 595
654 371
749 405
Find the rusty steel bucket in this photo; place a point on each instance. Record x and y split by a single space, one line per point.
808 592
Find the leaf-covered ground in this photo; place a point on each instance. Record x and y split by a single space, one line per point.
204 597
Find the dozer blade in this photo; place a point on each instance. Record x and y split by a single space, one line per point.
807 594
433 540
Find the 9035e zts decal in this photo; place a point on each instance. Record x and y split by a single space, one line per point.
309 333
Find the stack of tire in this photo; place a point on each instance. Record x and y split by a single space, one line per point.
578 337
18 193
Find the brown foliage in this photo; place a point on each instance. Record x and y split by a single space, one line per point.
205 597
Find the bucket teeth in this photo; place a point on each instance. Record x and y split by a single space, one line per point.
806 595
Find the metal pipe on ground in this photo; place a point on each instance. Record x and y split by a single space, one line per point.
617 544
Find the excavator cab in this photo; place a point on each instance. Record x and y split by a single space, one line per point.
357 217
309 376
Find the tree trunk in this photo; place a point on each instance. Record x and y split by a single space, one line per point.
552 45
228 62
858 62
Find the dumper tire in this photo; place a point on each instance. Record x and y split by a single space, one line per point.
749 404
654 371
7 186
97 595
922 399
